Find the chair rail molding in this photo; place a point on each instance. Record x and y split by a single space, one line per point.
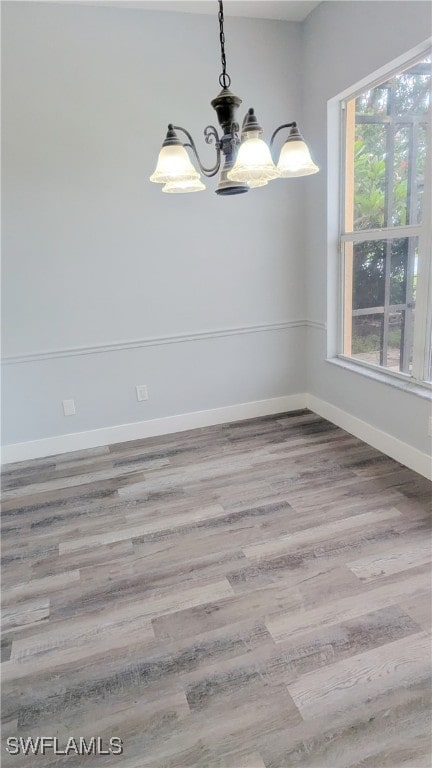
152 341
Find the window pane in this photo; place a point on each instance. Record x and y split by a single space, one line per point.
368 343
420 172
386 185
380 286
368 274
403 252
386 151
374 101
367 335
400 207
411 89
370 177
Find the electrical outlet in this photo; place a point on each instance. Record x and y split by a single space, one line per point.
69 408
141 392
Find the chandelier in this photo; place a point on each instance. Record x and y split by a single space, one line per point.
247 159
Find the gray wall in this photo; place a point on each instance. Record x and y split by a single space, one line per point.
344 42
93 254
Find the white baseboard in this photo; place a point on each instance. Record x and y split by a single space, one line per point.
382 441
77 441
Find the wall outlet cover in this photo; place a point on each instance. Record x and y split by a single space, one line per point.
141 392
69 408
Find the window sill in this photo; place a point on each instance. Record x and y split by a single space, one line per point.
420 390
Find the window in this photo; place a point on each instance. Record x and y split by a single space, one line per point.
385 238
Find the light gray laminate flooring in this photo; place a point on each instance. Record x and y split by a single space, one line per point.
249 595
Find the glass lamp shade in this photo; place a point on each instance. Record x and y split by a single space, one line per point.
257 183
183 186
254 163
174 165
295 160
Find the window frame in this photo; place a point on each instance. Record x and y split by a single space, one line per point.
422 343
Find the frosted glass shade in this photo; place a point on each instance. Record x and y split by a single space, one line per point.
257 183
194 185
295 160
254 163
173 165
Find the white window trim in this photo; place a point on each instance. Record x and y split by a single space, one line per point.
397 380
335 278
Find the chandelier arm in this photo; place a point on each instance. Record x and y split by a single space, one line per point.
210 133
285 125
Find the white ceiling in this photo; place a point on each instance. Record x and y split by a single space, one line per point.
287 10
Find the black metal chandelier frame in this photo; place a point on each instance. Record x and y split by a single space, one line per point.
225 104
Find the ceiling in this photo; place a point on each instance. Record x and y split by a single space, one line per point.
286 10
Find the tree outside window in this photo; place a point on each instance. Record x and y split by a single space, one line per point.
386 133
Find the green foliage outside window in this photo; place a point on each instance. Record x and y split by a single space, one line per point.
374 180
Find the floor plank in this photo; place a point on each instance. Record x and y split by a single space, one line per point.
248 595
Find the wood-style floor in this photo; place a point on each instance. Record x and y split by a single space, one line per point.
249 595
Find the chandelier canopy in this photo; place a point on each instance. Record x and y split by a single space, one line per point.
247 159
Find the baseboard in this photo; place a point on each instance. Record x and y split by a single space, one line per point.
382 441
77 441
